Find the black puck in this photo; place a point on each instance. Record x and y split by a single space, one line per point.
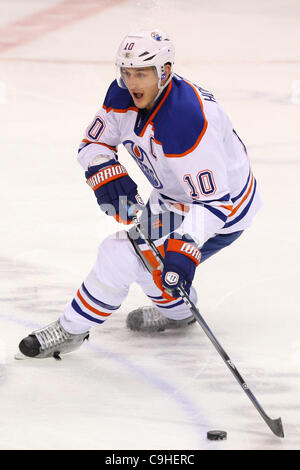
217 435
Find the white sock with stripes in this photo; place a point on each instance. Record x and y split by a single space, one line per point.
74 323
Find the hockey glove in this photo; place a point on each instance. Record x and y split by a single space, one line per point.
182 256
115 191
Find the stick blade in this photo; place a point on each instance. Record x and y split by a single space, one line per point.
276 426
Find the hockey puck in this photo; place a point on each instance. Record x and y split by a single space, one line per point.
217 435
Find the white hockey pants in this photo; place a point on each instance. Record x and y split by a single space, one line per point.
107 285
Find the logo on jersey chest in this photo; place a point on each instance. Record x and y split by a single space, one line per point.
143 161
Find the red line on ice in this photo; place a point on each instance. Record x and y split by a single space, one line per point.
36 25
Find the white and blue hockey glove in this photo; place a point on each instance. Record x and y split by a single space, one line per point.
115 191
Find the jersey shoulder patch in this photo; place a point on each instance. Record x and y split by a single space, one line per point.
118 99
181 122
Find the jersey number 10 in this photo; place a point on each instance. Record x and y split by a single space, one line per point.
205 184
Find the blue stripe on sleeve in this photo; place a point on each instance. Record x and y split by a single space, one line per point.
234 199
225 198
244 211
216 212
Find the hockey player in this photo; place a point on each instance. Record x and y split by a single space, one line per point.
204 194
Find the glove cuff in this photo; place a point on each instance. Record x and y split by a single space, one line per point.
106 175
184 248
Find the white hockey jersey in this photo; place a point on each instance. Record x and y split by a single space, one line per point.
187 149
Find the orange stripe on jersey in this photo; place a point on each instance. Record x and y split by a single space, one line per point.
131 108
175 155
229 208
243 200
149 121
100 143
156 141
92 309
161 301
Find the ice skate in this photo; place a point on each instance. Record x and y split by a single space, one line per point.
149 319
50 341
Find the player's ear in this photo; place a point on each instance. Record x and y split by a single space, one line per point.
167 68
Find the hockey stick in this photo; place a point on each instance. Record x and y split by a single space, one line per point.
274 424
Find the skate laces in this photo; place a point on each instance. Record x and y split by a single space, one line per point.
51 335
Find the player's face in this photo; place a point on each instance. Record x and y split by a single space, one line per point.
142 84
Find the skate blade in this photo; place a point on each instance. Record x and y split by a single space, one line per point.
20 356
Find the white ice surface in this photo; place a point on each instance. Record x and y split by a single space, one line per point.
124 390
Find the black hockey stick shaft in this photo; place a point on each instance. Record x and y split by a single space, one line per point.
274 424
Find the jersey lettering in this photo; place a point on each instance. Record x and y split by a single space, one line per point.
96 129
129 46
207 95
189 181
205 181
